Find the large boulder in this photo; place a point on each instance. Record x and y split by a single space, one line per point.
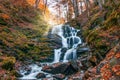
56 40
63 68
40 75
83 49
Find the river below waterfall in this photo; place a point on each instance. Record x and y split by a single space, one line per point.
69 41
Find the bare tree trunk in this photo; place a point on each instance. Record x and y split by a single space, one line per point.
100 4
69 10
81 7
45 6
87 5
75 7
37 3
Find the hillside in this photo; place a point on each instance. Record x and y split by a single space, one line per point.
21 35
101 31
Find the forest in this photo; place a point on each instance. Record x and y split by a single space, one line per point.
59 39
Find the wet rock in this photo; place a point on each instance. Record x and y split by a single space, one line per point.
63 68
56 39
77 76
18 75
49 78
38 63
28 72
46 59
40 75
64 50
44 64
84 49
27 69
47 69
59 76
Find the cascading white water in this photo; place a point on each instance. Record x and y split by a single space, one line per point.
59 31
57 54
70 41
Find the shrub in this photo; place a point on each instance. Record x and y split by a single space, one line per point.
8 63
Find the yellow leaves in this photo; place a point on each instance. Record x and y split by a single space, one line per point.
11 59
8 63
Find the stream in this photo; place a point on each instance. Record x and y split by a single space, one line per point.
70 42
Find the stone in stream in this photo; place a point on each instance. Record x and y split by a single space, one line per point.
83 49
63 51
28 70
40 75
59 76
63 68
38 63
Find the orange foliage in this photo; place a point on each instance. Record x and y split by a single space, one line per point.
5 16
116 69
110 55
105 67
106 75
40 6
31 2
19 3
118 73
117 55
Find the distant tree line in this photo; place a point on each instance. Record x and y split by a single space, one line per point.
77 7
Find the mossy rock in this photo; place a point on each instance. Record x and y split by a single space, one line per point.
16 74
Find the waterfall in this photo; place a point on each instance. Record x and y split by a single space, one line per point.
70 41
